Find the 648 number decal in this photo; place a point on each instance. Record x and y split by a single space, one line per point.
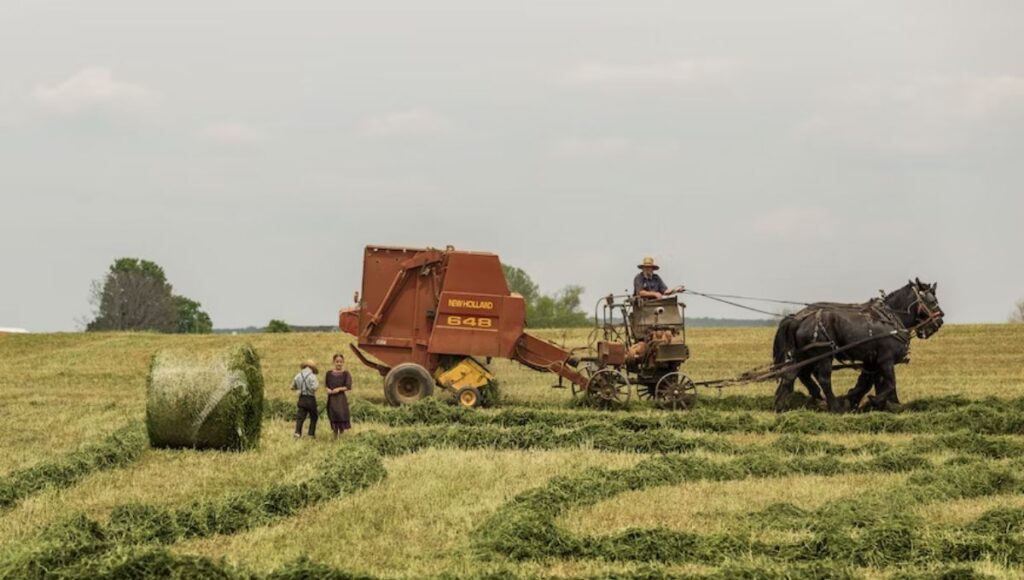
473 321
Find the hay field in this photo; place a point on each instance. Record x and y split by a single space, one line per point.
537 487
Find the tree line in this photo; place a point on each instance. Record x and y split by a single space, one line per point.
135 295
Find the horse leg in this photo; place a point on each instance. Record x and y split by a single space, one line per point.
865 382
885 389
823 373
817 401
783 392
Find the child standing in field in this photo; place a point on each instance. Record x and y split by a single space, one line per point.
306 383
338 382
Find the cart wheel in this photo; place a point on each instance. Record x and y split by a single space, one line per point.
407 383
468 397
645 392
609 388
675 391
588 370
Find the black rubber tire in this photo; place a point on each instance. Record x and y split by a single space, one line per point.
468 397
407 383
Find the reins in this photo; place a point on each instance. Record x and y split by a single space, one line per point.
722 298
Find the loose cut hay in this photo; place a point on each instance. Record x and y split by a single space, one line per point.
206 400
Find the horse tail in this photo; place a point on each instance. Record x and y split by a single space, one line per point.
784 340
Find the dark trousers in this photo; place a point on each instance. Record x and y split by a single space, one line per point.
307 406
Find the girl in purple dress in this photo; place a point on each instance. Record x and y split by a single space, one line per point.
338 382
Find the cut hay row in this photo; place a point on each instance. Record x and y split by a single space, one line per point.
855 532
80 545
120 449
975 418
82 548
400 441
205 400
798 400
412 439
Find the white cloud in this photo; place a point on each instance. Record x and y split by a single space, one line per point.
794 222
413 121
92 88
233 134
672 73
923 115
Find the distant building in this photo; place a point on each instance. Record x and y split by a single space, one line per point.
4 330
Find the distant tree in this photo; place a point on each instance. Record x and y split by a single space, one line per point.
560 310
1017 316
191 318
277 326
520 283
135 295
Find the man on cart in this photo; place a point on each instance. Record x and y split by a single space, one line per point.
648 285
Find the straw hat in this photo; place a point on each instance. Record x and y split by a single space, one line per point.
648 262
310 363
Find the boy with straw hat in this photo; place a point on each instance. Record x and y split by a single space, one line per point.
306 384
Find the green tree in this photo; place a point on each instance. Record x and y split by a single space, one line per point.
276 325
520 283
191 318
559 310
134 294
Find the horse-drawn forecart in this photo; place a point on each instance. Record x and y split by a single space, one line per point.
428 317
643 345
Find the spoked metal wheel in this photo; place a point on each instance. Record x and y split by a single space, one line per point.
588 369
675 391
645 392
609 388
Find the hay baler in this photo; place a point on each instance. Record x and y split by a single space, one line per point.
427 317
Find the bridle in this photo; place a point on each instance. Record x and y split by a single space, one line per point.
925 313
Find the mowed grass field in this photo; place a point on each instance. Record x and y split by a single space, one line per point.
536 487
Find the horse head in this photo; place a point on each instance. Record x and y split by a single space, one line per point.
928 313
917 307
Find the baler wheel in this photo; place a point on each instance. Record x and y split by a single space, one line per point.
407 383
468 397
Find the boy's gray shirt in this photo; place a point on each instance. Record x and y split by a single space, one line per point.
305 382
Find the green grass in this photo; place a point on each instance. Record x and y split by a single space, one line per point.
536 487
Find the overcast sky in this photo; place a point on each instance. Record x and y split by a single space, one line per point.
802 150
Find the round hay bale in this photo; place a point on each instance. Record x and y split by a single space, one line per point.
205 400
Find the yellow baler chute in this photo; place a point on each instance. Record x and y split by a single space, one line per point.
466 378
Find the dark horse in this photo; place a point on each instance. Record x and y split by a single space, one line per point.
873 336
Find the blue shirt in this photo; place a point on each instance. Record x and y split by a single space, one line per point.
652 284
